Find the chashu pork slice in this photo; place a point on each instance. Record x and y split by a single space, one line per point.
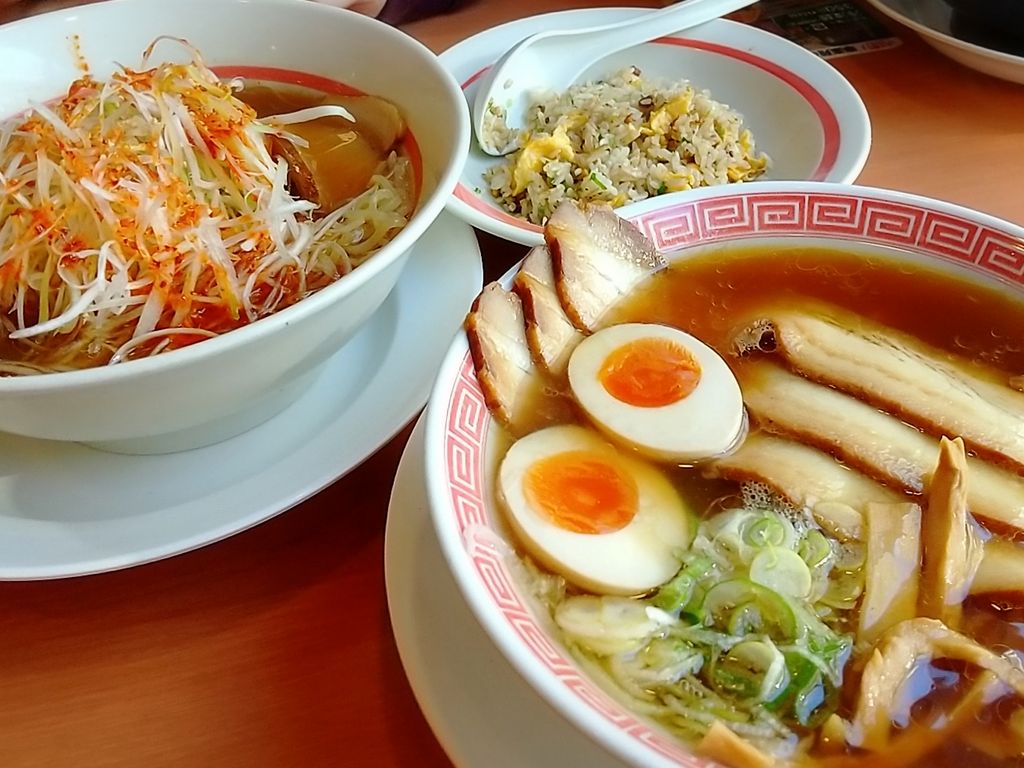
517 395
550 334
497 342
922 385
597 259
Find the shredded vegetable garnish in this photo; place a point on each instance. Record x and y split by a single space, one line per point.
744 633
146 212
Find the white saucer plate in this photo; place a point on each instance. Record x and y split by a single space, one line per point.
69 510
931 20
802 112
480 709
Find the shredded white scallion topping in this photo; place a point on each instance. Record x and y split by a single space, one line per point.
147 212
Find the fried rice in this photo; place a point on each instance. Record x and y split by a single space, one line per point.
619 140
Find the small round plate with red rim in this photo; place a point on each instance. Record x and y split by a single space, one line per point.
801 111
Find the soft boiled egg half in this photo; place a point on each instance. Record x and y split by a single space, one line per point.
605 520
658 390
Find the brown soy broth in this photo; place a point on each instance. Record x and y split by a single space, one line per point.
982 743
711 295
1000 619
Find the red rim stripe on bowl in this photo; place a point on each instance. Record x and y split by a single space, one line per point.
327 85
830 128
857 218
863 219
827 117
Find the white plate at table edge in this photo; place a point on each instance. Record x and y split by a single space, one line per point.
69 510
820 82
482 712
937 34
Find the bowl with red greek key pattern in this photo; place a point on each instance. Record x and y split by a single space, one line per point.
465 444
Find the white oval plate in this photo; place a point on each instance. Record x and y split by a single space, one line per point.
802 112
68 510
931 20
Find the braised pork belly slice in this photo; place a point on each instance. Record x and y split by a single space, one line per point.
598 258
870 440
336 158
808 479
497 342
550 334
517 394
899 374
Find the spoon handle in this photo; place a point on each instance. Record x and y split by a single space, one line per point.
607 39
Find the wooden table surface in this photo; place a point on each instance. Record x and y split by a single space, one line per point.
274 648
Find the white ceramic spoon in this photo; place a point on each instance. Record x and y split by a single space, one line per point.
554 60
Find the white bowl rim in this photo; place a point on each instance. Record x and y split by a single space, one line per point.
427 210
843 102
553 690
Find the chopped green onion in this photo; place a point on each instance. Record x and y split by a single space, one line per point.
682 595
815 548
608 624
850 556
752 669
833 650
765 531
781 570
677 594
807 699
667 660
844 589
809 702
742 605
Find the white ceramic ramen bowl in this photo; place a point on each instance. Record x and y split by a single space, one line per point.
801 111
222 386
461 451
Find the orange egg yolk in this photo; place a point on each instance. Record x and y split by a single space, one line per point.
581 492
650 372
